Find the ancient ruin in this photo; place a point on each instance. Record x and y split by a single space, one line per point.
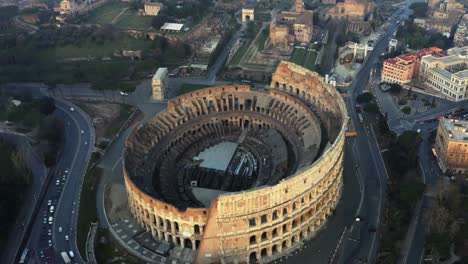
238 174
292 27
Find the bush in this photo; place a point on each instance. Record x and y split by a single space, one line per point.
406 110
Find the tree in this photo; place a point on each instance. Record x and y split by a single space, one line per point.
395 88
159 20
47 106
372 108
364 98
419 9
406 110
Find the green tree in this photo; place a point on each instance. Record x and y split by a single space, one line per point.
419 9
364 98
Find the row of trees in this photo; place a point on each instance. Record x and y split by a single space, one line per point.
448 222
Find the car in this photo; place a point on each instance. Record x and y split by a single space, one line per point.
50 243
123 93
49 232
82 131
72 109
45 220
68 123
64 177
49 202
60 229
86 142
358 219
52 209
71 254
66 170
67 238
57 182
51 219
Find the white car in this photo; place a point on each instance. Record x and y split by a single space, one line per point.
60 229
49 202
72 109
45 220
50 243
57 182
52 209
67 238
51 219
66 171
71 254
49 232
82 131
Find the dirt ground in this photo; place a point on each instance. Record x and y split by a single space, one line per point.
116 203
107 118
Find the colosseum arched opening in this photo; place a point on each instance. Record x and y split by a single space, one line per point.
240 175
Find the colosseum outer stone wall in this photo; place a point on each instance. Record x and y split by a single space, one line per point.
287 201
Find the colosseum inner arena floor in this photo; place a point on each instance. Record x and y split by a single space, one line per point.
237 174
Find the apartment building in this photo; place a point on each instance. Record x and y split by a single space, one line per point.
447 74
451 146
404 68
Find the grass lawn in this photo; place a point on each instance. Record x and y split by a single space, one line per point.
298 56
239 54
88 211
310 62
188 87
130 19
105 14
92 49
261 40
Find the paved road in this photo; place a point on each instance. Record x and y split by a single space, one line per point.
363 237
64 186
65 195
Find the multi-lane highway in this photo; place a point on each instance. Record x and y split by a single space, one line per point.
363 237
53 226
54 230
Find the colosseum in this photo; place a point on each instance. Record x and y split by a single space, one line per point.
240 175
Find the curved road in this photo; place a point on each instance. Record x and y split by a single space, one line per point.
63 189
70 171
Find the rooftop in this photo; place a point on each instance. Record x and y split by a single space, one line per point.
442 72
172 26
152 4
462 74
160 73
458 129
